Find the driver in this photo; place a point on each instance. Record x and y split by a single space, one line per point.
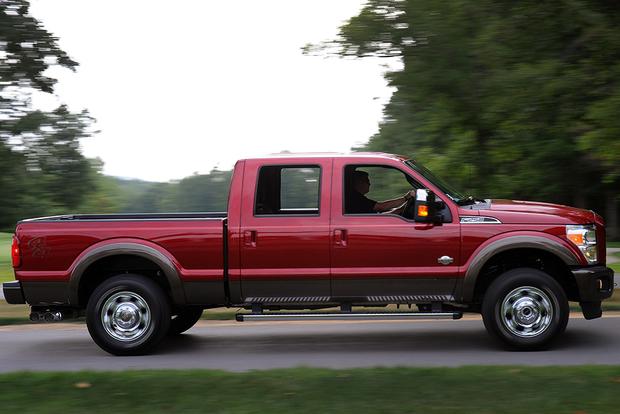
358 203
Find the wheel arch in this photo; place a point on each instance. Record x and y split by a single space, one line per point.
518 244
140 253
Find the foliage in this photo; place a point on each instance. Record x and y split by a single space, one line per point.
6 268
501 98
197 193
504 99
41 168
385 183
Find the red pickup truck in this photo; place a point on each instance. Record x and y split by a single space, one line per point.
302 233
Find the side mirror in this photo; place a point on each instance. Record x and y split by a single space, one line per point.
426 206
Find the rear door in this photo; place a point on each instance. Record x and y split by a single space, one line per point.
285 252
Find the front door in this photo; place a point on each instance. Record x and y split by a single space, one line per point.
384 257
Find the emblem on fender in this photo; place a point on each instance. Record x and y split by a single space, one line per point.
445 260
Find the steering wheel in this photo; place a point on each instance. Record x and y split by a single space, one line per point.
409 209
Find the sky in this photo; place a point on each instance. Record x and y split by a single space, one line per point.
180 87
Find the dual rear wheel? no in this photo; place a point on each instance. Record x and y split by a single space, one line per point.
128 315
525 308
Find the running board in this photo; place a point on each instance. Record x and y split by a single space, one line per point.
336 316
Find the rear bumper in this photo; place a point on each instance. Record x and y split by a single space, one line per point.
594 283
13 292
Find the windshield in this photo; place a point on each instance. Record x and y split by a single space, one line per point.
438 182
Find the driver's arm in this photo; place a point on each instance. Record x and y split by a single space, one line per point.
398 210
389 205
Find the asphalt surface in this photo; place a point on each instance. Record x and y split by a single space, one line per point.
263 345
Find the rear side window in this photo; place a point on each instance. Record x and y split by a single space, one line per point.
286 190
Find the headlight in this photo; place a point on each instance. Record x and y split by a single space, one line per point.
584 237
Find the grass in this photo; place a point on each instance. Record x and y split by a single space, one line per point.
12 314
586 389
6 270
615 266
614 244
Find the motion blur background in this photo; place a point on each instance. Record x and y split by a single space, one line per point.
502 99
143 106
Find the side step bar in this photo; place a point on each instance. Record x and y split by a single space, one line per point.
335 316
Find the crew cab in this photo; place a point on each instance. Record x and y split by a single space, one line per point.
290 248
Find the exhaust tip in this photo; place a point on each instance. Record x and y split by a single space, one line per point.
57 316
47 316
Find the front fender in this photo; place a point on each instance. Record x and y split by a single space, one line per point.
547 243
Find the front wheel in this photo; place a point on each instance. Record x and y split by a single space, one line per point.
525 308
128 315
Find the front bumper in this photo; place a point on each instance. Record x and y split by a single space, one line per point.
594 283
13 293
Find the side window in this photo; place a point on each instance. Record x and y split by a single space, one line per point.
288 190
365 185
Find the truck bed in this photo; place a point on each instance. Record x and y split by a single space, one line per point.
52 248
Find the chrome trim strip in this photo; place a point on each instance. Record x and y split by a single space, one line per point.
288 299
410 298
479 220
327 299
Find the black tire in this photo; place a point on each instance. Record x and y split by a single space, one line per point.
526 309
134 301
184 319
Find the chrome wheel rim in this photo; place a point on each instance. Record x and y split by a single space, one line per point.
527 312
126 316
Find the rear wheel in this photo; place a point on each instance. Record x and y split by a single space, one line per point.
525 308
128 315
184 319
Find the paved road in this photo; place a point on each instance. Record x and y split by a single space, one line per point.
263 345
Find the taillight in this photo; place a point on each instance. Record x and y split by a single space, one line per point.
16 255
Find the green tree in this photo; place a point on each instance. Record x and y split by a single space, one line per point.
45 172
502 98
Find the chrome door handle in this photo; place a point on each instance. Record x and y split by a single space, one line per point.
340 238
249 238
